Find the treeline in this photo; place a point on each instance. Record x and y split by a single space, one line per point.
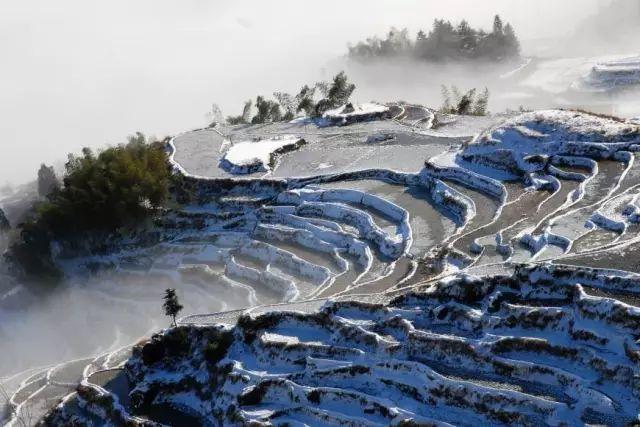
445 42
99 194
313 101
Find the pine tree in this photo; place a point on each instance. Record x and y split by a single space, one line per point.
482 102
511 42
341 90
305 101
497 26
246 111
446 100
216 115
47 181
466 102
288 103
4 222
171 305
323 88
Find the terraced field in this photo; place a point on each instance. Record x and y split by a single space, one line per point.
388 272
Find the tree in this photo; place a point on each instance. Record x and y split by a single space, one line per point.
244 118
215 115
466 102
323 88
288 103
171 305
246 111
4 222
268 111
511 42
47 180
482 103
339 93
444 42
305 101
341 90
446 100
498 27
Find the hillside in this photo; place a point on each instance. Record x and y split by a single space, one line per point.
494 284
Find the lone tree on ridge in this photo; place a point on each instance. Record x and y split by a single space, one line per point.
171 304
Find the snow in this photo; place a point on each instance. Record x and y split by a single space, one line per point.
520 345
250 156
548 354
364 109
612 75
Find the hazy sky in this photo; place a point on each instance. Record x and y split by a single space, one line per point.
82 72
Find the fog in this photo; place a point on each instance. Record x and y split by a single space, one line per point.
83 73
77 73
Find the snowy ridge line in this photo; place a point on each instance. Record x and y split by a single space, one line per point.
607 279
94 398
462 350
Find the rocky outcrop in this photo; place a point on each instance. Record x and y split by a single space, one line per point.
531 348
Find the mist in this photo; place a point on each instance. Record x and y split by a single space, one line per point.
78 73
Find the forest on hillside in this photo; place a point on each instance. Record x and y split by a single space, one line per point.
445 42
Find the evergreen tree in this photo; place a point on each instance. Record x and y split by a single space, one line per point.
275 114
246 111
338 94
4 222
268 111
467 39
47 180
305 101
323 88
216 115
482 103
511 42
288 103
497 26
244 118
446 100
341 90
171 305
466 103
444 42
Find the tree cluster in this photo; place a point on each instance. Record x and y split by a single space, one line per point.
47 180
445 42
120 186
469 103
312 101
